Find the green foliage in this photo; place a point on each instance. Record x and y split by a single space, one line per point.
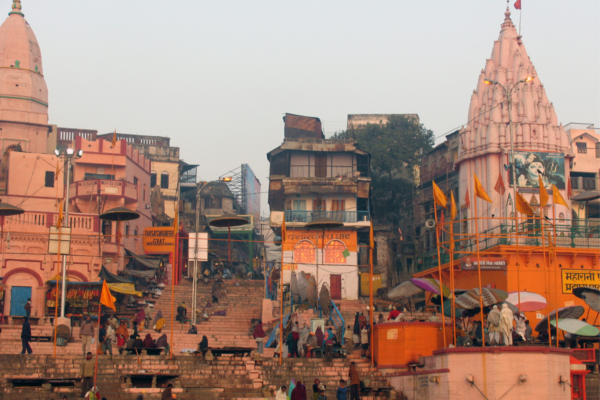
395 150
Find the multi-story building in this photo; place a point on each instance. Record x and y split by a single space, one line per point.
312 177
585 173
103 178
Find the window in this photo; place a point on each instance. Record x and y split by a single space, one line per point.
49 179
321 165
126 230
135 180
337 210
144 198
319 207
153 179
582 148
299 205
334 252
164 180
212 202
597 149
304 253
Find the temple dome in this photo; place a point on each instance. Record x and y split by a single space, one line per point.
23 90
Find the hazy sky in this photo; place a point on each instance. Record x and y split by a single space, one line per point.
217 76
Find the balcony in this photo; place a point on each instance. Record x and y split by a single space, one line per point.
320 171
104 187
348 217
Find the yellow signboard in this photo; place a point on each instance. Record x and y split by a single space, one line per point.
574 278
392 334
159 240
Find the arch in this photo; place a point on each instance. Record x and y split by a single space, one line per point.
334 252
304 252
78 275
24 271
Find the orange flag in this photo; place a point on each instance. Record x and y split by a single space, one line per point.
283 230
106 299
500 185
543 193
114 139
371 237
480 191
467 199
557 197
453 211
439 197
523 205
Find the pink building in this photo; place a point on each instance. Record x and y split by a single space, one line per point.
540 142
102 179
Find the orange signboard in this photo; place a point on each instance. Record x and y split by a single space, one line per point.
159 240
295 236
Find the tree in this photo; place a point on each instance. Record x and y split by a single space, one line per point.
395 149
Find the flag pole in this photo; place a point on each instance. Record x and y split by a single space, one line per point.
555 271
452 303
283 235
371 243
478 265
59 224
98 342
518 259
437 236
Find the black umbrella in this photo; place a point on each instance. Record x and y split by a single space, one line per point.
117 215
228 220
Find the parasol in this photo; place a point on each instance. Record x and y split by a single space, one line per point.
576 327
590 295
489 297
431 285
573 312
404 289
458 312
228 221
529 301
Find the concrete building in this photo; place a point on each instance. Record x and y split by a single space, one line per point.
313 177
103 178
169 172
356 121
585 172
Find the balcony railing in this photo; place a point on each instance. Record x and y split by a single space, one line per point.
320 171
584 234
104 187
340 216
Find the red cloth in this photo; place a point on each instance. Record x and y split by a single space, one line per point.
467 200
299 392
393 315
320 337
518 4
500 185
259 332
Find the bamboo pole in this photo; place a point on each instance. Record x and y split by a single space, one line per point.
453 311
281 302
371 294
98 343
546 281
556 280
437 236
478 266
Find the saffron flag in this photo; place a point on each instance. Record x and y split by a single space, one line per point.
518 4
372 237
453 211
467 200
106 299
569 191
480 191
543 193
439 197
523 206
557 198
57 173
500 185
440 227
114 139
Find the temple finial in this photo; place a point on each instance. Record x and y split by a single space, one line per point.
16 8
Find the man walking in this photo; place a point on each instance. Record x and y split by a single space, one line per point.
329 345
87 374
26 337
86 333
354 382
28 308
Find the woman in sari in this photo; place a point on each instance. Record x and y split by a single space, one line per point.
159 321
291 388
122 335
140 319
148 342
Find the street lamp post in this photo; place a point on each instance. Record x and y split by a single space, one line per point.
68 154
508 91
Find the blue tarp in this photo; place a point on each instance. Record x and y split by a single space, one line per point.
272 335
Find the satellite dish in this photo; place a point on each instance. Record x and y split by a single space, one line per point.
430 224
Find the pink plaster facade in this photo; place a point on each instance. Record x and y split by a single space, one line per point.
485 140
27 180
495 371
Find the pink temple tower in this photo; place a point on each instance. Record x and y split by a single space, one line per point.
540 142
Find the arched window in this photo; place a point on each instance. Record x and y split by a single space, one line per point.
304 253
334 252
153 179
164 180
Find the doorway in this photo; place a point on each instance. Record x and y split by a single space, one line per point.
335 283
18 299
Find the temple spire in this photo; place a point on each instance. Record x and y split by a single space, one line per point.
16 8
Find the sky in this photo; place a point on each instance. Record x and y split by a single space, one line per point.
218 76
